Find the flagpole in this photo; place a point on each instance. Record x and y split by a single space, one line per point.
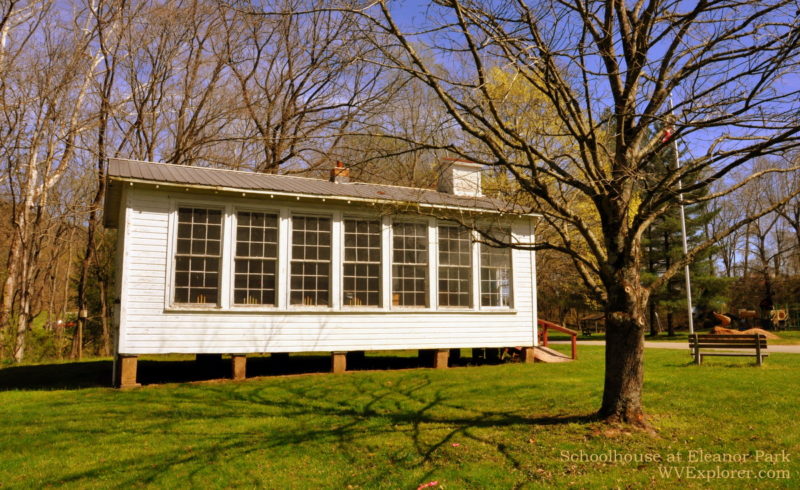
689 307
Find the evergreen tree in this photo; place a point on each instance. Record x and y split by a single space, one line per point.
663 246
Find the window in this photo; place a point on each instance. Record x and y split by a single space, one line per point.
410 264
253 275
454 266
362 262
256 258
496 274
197 256
311 261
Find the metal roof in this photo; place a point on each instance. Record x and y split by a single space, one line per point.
234 180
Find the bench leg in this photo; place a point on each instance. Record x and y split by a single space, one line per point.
758 350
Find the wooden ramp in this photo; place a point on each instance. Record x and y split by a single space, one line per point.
546 354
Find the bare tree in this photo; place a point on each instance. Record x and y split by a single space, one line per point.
607 70
728 247
19 21
170 103
44 96
384 147
790 212
300 86
106 18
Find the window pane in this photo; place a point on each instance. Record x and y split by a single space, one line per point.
496 274
184 246
454 266
361 269
256 258
197 256
410 264
310 267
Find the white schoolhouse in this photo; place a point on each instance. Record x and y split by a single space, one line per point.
230 262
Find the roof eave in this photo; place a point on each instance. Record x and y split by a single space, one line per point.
347 199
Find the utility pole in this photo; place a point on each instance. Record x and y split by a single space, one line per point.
689 307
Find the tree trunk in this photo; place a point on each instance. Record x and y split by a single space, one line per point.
25 260
23 319
622 393
62 314
746 267
77 339
9 290
670 324
653 325
625 327
104 318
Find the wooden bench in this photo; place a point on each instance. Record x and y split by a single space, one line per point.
728 345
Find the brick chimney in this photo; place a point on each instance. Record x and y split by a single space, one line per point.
460 177
340 174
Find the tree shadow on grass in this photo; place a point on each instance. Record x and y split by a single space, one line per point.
98 373
413 420
715 364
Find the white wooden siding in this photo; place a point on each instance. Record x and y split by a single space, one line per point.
149 326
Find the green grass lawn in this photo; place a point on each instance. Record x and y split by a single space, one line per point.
502 426
787 337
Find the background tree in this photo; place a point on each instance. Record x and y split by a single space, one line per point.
107 18
85 80
727 63
45 89
299 85
383 147
663 245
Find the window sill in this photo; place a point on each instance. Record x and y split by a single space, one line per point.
193 307
450 310
260 310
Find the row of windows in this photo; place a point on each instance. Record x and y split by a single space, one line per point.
198 258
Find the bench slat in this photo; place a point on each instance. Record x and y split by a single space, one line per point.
720 345
726 335
730 340
728 346
748 341
731 354
705 342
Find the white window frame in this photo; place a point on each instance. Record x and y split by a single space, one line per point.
172 247
510 229
471 267
386 263
342 259
234 241
333 257
429 237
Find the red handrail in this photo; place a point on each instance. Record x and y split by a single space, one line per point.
544 326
